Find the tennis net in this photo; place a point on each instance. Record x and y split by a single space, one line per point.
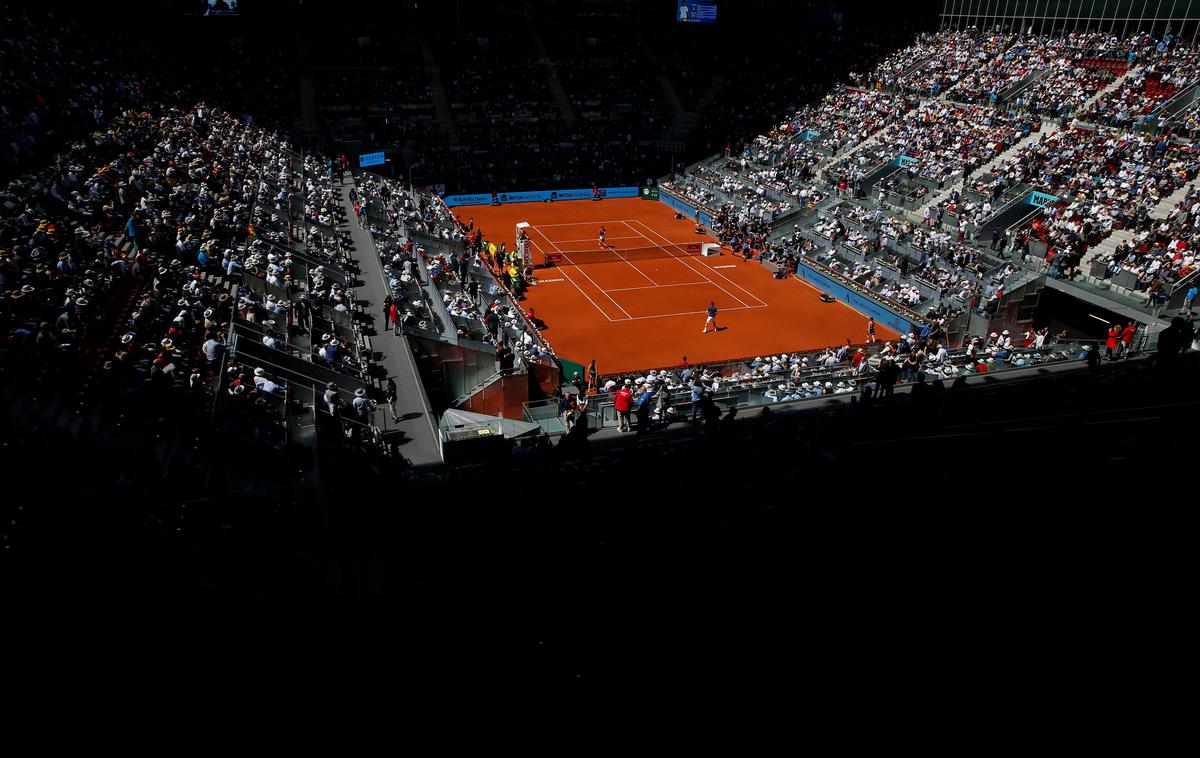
619 255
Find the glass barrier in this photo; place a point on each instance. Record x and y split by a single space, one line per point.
782 390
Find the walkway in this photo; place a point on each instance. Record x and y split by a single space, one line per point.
1096 296
418 433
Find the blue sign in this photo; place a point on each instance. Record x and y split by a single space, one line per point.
541 196
687 12
370 159
454 200
895 321
684 208
904 161
810 134
1038 199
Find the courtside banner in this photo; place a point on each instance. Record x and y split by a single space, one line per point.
863 305
370 159
685 208
540 196
468 200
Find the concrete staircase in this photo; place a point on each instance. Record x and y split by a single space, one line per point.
663 82
711 93
1120 236
560 94
1112 87
1168 203
937 197
1105 248
441 104
308 106
669 91
924 105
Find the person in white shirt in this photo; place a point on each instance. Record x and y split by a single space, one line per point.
361 405
939 356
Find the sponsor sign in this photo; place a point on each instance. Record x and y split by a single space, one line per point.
371 159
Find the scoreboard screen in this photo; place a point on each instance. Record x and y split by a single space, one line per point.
687 12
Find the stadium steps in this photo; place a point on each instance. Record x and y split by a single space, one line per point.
441 104
1106 247
1113 86
845 154
711 94
110 329
683 126
560 95
1170 202
308 106
672 96
936 198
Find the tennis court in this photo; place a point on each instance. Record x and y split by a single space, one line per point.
640 301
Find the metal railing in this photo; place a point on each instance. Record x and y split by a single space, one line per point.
603 412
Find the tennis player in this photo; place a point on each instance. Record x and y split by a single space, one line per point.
602 236
712 318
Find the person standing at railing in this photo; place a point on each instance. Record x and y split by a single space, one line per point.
361 405
593 377
662 403
643 409
886 378
697 390
1110 345
1127 335
332 401
623 403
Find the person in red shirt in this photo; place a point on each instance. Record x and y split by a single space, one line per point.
623 402
1127 338
1110 346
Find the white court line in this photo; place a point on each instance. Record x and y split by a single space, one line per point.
581 223
683 261
657 286
718 273
585 276
695 313
596 239
572 281
610 248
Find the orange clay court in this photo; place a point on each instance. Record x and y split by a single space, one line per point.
631 313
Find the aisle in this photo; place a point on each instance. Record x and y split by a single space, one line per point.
419 443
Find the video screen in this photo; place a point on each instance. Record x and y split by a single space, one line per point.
695 13
217 7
